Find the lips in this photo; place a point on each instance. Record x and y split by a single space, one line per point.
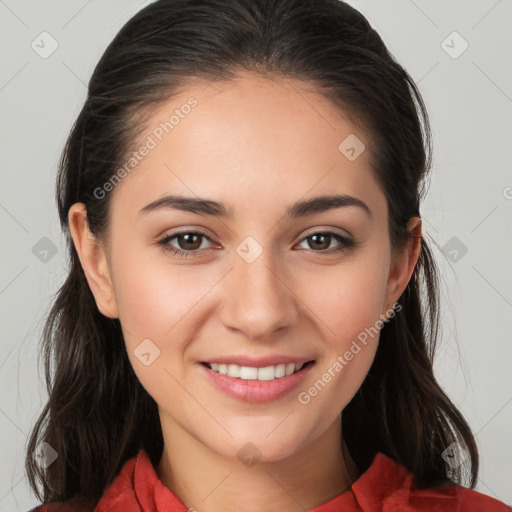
255 390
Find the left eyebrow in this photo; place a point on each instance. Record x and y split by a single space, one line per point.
299 209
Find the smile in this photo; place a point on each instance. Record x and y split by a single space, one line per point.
248 384
251 373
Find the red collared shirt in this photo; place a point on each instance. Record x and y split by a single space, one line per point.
384 487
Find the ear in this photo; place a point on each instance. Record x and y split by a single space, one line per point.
93 259
403 263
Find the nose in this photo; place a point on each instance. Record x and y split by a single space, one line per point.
259 298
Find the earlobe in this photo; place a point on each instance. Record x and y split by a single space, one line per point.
91 253
404 262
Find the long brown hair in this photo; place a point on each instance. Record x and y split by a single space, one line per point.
98 415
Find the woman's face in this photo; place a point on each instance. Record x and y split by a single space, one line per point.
270 283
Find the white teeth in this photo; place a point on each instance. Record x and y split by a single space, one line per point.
290 368
266 373
234 370
247 373
251 373
280 371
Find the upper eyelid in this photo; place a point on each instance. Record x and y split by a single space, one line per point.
170 236
315 231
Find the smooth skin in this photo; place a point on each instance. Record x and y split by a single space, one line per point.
256 145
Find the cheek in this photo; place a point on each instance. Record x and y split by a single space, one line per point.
346 298
156 303
154 299
347 305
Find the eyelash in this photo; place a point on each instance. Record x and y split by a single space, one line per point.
346 244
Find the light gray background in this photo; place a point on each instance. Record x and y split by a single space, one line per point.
469 203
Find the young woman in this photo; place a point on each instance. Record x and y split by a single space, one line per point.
251 310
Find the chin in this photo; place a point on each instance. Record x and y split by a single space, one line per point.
261 445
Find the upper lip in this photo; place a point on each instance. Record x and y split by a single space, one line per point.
257 362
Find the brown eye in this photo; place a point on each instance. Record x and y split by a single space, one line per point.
188 243
321 242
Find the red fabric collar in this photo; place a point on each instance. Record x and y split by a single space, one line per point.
384 487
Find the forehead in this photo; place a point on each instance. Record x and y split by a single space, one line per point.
248 142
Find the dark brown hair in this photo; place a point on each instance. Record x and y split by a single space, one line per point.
98 415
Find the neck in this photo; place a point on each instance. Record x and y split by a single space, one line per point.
209 482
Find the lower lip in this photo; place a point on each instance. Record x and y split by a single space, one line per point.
251 390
